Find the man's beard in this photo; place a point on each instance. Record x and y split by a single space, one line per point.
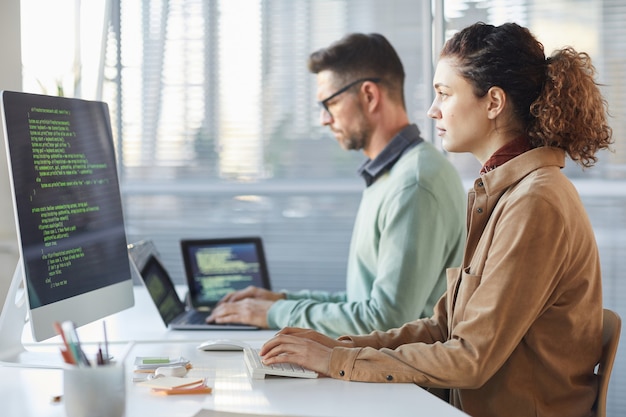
357 140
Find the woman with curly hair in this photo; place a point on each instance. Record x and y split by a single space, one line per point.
518 331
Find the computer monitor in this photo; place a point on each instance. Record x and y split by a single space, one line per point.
74 262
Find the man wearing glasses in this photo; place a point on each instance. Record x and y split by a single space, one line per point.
410 224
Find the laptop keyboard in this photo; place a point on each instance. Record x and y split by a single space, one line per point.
195 317
258 370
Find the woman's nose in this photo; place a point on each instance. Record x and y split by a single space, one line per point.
433 112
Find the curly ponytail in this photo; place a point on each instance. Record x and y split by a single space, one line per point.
556 99
570 113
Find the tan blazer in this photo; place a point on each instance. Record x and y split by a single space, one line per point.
518 331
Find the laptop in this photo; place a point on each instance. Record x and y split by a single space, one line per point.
173 311
216 267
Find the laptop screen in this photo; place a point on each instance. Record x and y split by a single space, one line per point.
216 267
161 289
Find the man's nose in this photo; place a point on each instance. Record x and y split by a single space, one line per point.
325 117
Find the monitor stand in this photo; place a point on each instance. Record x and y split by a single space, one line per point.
13 318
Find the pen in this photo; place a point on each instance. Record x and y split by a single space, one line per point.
99 357
69 329
73 352
65 351
106 357
67 356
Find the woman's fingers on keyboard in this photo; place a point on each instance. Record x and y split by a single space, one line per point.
293 349
312 335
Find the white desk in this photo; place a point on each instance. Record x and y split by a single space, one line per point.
26 392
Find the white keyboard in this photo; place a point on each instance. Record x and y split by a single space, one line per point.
257 370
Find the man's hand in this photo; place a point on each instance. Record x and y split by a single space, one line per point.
252 292
247 311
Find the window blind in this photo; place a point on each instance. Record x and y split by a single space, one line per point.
219 128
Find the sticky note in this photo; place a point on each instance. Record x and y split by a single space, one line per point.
171 382
153 361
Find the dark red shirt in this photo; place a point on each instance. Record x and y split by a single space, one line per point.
509 151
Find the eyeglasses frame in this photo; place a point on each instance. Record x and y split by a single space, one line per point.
323 103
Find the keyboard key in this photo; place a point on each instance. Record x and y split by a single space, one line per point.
258 370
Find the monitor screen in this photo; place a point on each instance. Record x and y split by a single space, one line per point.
216 267
68 209
162 290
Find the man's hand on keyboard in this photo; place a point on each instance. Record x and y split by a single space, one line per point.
304 347
247 311
252 292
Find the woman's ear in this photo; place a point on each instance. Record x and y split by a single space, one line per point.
496 101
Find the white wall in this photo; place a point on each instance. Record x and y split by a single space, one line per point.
10 79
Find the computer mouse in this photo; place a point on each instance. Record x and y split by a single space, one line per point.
177 370
222 345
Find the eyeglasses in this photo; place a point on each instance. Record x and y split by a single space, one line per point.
324 103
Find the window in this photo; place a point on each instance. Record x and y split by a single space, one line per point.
219 129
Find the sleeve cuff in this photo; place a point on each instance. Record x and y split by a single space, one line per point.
279 313
342 362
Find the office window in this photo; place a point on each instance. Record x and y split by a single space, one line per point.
218 125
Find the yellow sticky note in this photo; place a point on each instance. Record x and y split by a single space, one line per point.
170 382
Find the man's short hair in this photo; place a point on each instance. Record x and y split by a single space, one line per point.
359 55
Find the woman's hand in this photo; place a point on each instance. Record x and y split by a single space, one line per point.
303 347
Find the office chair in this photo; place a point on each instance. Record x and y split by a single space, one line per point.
611 327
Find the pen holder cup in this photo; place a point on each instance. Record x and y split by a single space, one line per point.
98 391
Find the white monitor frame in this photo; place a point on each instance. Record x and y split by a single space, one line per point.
83 308
14 317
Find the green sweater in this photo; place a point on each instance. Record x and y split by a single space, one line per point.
409 228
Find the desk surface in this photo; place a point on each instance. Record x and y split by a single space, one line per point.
26 392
